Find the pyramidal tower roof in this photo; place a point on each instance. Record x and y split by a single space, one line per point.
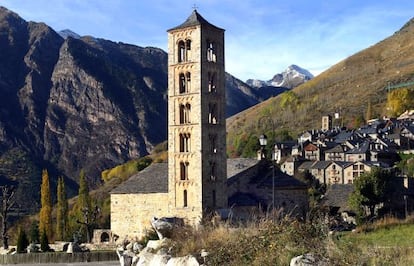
195 19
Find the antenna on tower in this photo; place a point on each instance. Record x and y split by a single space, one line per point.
195 7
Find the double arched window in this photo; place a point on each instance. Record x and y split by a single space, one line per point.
185 142
185 110
211 51
185 82
184 51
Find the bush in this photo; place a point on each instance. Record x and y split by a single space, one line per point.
22 242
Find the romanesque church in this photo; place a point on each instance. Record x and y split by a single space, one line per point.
198 178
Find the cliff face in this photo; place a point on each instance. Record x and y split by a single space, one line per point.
102 100
74 104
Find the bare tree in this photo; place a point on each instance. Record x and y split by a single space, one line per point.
7 200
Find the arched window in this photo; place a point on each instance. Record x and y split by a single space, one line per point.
184 170
188 81
211 82
185 202
181 51
184 50
213 143
185 113
185 142
211 51
212 113
182 83
187 50
213 171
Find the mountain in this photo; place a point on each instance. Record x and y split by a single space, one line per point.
68 33
292 77
346 88
70 102
241 96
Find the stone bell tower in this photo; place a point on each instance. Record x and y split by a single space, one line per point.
197 169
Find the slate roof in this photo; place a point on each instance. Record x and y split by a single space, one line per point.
337 196
363 148
153 179
237 165
195 19
306 165
320 165
343 136
337 149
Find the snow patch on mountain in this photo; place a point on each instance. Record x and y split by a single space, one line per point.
292 77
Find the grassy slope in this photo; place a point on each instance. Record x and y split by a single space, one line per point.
347 87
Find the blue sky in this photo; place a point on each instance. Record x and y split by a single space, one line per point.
263 37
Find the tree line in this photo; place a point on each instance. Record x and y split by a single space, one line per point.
68 224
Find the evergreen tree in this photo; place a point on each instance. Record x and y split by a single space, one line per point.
22 242
34 233
62 210
81 212
44 242
45 216
84 200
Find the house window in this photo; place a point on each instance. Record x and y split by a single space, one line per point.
185 200
211 82
212 113
185 113
355 167
185 142
361 167
211 51
184 170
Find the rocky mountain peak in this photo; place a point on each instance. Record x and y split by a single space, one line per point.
68 33
292 77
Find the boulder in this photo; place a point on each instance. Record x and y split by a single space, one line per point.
303 260
163 227
188 260
149 259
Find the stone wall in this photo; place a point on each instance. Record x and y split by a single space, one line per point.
131 213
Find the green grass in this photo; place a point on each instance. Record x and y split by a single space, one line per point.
401 235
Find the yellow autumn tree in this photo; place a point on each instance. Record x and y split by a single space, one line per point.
45 215
400 100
